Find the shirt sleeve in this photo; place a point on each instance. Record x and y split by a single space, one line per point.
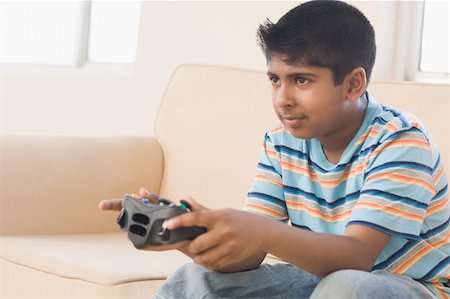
266 196
398 185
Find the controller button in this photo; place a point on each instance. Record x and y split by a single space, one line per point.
164 202
138 230
141 218
185 205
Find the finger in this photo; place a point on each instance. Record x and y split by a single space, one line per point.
204 242
144 193
111 204
217 257
189 219
195 206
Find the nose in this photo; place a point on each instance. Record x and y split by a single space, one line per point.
283 97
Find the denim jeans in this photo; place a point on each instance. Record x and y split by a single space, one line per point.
286 281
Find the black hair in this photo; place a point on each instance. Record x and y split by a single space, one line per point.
330 34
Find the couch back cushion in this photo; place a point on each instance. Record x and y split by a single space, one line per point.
212 121
53 184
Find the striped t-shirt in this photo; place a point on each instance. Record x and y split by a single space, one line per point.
390 177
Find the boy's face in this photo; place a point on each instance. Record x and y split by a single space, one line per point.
306 99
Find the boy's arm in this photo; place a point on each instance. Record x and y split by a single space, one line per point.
322 254
237 241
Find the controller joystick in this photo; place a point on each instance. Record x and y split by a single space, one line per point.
144 220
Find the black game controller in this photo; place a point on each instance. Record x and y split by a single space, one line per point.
143 220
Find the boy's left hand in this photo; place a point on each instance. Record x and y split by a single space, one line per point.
233 236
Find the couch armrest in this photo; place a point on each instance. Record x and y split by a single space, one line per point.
52 185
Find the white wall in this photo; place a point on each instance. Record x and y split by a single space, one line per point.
101 100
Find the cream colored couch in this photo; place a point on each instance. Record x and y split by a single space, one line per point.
55 243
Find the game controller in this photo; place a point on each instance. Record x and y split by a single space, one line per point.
143 220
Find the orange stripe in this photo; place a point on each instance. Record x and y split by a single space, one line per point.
442 293
412 260
437 208
401 143
266 210
268 180
277 129
437 286
326 183
317 213
404 179
391 127
373 132
438 175
390 210
272 153
420 254
442 242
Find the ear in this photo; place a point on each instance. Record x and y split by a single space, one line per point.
355 83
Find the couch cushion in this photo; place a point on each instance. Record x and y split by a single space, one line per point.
83 266
52 184
19 281
105 259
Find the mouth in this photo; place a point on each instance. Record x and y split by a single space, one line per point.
293 121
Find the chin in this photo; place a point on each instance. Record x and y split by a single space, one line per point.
299 133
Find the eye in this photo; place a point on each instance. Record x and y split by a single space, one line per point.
301 80
274 80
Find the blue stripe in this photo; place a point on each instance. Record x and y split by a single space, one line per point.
437 164
299 155
405 248
384 229
439 194
393 197
267 167
403 164
394 257
268 198
305 157
379 121
282 149
396 134
438 229
442 264
397 114
321 201
301 226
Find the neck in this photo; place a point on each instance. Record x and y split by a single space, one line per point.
335 143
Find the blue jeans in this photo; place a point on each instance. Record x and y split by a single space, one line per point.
286 281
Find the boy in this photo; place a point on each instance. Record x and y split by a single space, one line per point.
362 184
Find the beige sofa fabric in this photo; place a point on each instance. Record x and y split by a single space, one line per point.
90 265
210 127
53 184
19 281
